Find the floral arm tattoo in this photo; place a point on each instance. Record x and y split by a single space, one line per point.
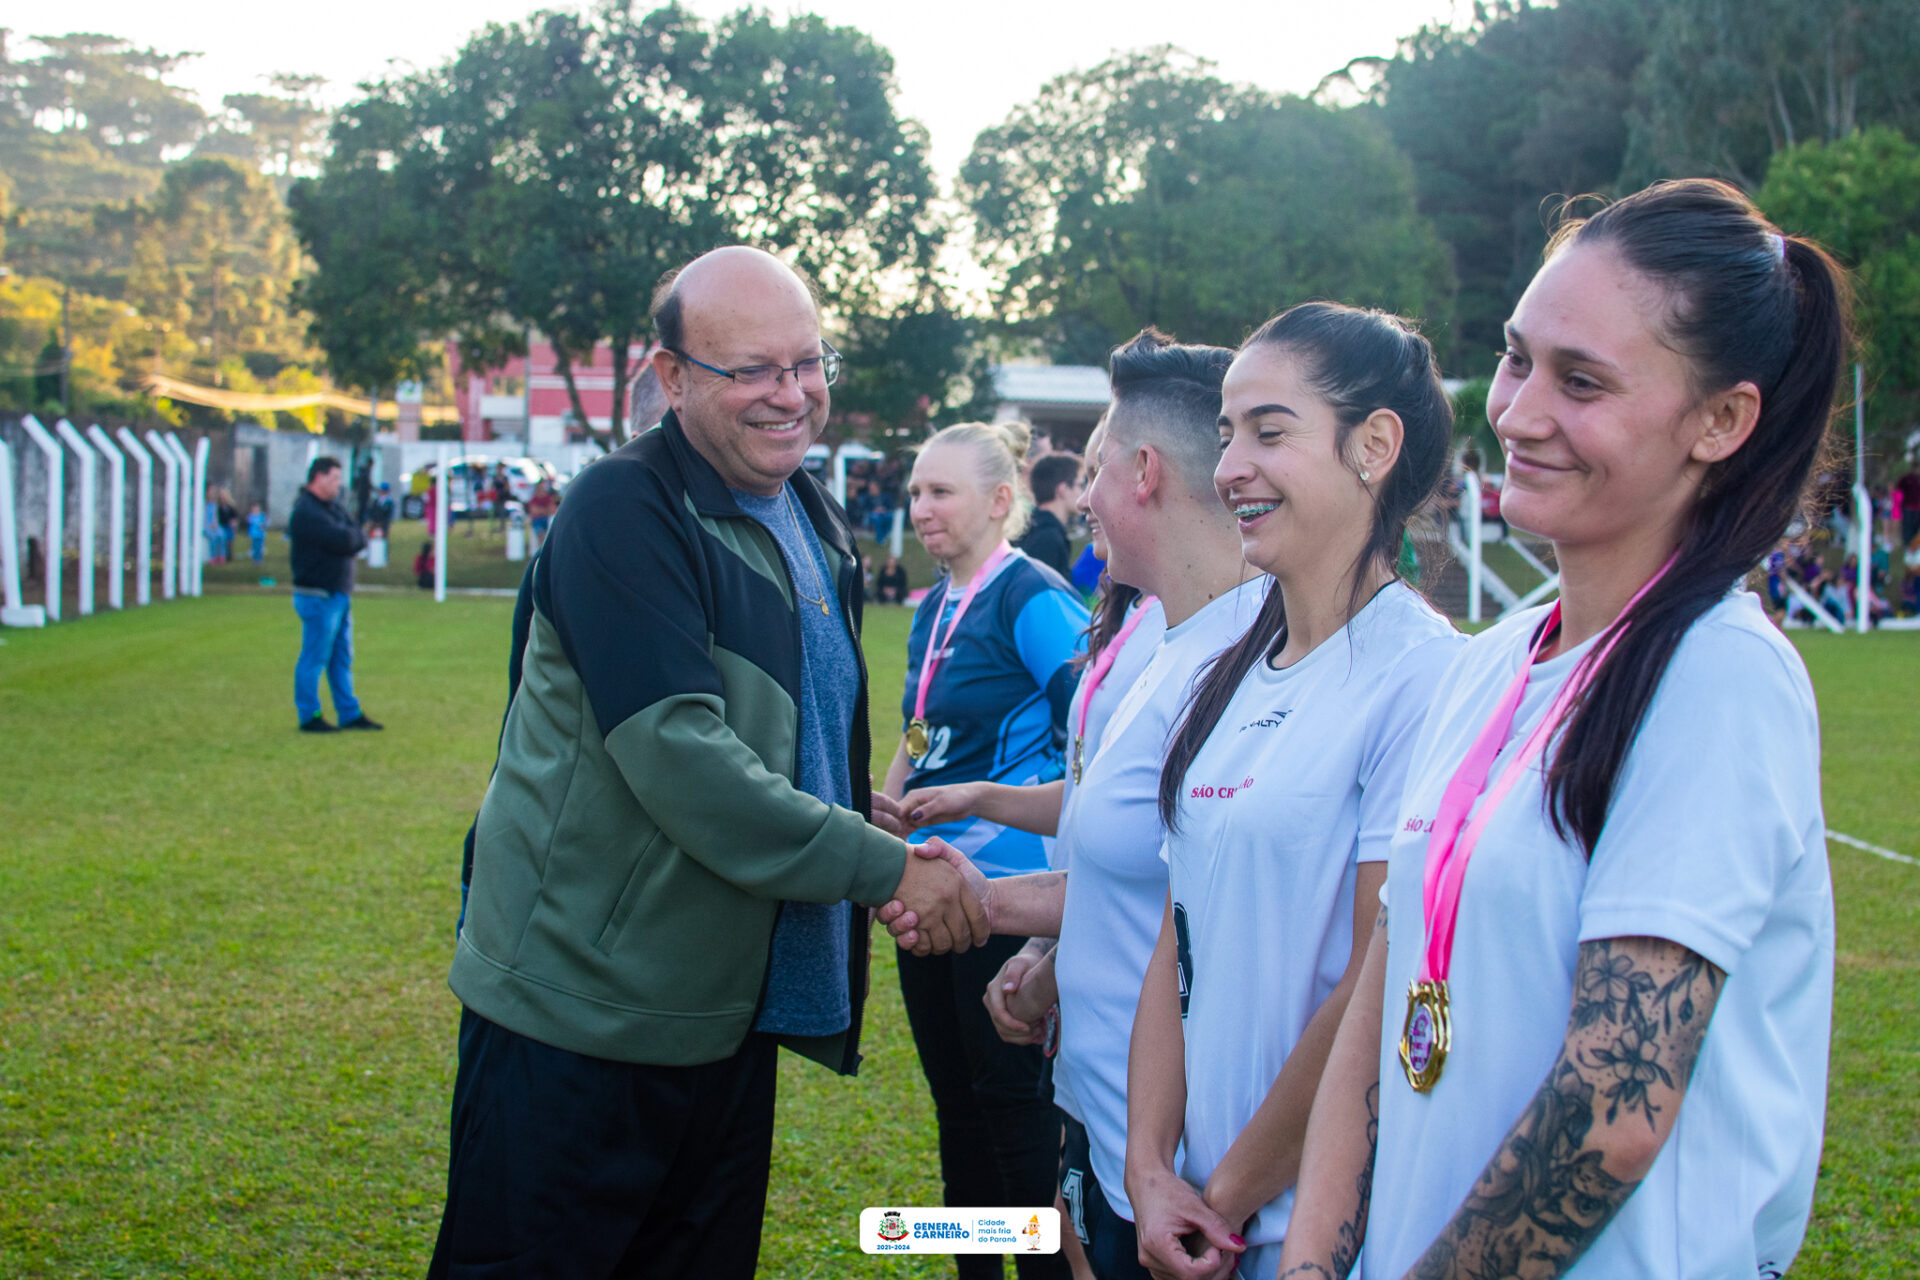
1640 1010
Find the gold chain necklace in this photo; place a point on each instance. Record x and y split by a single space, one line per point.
806 553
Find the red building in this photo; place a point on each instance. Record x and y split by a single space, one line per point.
497 404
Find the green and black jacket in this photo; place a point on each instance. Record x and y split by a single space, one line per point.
642 825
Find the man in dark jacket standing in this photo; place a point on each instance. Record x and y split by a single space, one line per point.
325 541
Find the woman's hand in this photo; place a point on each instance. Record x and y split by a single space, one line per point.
1021 993
1181 1237
887 815
930 806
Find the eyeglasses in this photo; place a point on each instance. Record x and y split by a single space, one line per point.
814 373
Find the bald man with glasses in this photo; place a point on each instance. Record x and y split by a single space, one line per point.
673 863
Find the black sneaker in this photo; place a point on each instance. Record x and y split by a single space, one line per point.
319 724
361 722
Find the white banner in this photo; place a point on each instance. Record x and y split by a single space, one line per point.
960 1230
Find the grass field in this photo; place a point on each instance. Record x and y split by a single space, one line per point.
226 1042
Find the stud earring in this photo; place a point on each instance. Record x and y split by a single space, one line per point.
1365 475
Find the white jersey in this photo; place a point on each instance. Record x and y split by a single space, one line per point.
1714 840
1297 785
1117 891
1127 666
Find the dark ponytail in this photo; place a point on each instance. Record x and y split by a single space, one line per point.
1745 304
1358 361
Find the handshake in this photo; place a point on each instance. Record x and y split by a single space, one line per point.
942 902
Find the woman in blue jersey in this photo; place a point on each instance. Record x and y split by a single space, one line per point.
990 673
1281 783
1609 895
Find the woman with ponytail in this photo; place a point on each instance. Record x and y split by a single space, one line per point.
1282 780
1609 892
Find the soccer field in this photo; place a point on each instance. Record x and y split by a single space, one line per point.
226 1041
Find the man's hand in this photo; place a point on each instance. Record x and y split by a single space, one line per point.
887 816
946 904
930 806
904 923
1016 1002
1181 1237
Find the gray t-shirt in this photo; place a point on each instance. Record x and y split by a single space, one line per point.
807 972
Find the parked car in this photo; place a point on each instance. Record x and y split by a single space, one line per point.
469 474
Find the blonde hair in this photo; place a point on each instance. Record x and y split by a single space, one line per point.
999 449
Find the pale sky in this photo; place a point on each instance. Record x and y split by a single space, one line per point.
959 67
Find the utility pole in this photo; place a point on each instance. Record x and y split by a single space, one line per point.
526 396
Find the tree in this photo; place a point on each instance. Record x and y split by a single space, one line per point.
1860 197
82 129
106 212
1501 121
1043 187
222 233
1147 192
557 167
277 133
371 300
113 94
1727 85
900 365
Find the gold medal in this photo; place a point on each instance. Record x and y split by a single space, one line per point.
916 740
1427 1035
1078 742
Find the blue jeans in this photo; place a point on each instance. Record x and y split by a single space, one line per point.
326 643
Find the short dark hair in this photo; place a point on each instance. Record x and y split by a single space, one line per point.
1168 394
321 465
1050 473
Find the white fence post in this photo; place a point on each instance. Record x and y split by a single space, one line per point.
1863 567
12 612
89 510
142 517
169 513
9 536
897 538
116 514
186 532
56 498
1470 502
440 523
202 503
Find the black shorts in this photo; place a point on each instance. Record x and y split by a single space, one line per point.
1112 1246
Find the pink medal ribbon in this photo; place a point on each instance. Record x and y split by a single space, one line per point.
1102 665
918 731
1427 1035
